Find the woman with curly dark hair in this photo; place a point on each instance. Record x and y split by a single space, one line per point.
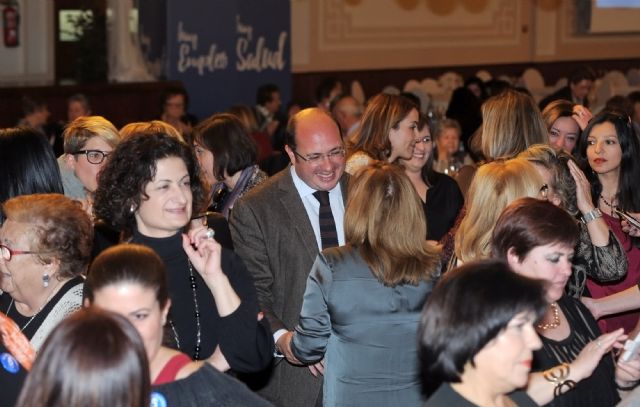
149 189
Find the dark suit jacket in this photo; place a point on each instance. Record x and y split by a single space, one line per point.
273 235
562 93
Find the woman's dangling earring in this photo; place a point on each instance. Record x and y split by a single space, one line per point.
45 280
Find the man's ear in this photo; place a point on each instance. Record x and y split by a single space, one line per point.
290 153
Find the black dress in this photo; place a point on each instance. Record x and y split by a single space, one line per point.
599 389
12 377
206 387
246 344
444 201
12 374
445 396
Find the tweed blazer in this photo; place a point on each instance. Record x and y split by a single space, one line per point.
272 233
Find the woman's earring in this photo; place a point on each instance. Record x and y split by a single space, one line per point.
133 208
45 280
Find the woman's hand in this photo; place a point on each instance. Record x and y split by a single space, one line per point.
317 369
590 356
628 228
204 253
583 188
628 373
582 116
218 360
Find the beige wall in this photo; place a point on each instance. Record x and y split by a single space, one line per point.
330 35
32 61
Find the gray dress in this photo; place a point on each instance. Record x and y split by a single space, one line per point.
366 331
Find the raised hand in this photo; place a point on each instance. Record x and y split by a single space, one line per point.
590 356
582 116
583 188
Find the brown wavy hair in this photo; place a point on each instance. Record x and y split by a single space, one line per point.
383 113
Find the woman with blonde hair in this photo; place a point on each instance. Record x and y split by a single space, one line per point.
388 131
511 122
88 141
154 126
362 303
494 186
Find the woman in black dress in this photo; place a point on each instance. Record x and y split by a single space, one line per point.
439 193
575 366
149 189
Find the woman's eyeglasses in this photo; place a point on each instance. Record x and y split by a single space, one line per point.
8 253
93 156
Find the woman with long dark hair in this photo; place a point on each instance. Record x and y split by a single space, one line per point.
608 152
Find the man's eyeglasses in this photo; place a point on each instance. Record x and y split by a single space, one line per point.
317 158
93 156
8 253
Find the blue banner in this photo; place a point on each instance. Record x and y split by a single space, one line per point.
223 50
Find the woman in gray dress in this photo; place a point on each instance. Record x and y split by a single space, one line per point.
362 303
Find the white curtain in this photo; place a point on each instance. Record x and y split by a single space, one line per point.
126 63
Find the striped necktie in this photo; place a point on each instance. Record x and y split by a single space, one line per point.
328 233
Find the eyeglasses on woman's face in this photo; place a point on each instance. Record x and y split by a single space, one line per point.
93 156
8 253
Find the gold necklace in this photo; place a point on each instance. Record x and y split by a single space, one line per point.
556 319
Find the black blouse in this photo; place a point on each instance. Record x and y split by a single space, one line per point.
599 389
246 343
444 201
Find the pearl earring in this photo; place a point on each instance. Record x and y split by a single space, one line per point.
45 280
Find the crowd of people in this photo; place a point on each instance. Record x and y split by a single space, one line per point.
334 255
